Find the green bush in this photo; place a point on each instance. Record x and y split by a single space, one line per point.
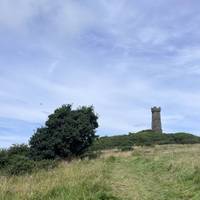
18 149
19 165
67 133
15 161
185 138
3 158
149 138
6 155
111 142
143 138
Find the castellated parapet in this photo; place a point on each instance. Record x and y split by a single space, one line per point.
156 119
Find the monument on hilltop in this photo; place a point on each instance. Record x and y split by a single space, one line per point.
156 119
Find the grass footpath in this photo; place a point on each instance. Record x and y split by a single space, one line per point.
168 172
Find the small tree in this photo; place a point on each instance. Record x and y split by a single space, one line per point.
67 133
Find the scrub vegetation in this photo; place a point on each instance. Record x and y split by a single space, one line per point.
143 138
161 172
65 160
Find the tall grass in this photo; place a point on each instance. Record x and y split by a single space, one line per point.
169 172
84 180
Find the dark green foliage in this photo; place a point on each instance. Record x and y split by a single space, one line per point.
18 165
15 161
19 149
112 142
3 158
67 133
143 138
148 138
185 138
151 138
12 163
6 155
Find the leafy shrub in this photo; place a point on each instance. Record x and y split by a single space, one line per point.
3 158
19 165
143 138
18 149
67 133
6 155
149 138
111 142
185 138
15 161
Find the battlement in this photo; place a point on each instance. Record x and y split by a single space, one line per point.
156 109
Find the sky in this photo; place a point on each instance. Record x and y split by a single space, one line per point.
122 57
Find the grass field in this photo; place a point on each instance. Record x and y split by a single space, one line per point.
148 173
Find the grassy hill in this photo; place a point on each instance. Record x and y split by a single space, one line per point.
143 138
161 172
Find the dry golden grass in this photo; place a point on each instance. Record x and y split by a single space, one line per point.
168 172
116 153
160 172
70 179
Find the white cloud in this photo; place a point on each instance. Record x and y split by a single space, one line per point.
16 14
122 57
72 17
53 66
63 18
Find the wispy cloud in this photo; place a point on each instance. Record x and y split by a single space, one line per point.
121 57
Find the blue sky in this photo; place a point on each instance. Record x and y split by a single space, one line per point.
120 56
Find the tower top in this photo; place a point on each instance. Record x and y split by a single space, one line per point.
156 109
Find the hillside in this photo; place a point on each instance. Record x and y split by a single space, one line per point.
163 172
143 138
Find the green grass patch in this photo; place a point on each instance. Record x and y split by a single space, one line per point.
169 172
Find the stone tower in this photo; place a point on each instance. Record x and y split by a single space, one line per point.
156 119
